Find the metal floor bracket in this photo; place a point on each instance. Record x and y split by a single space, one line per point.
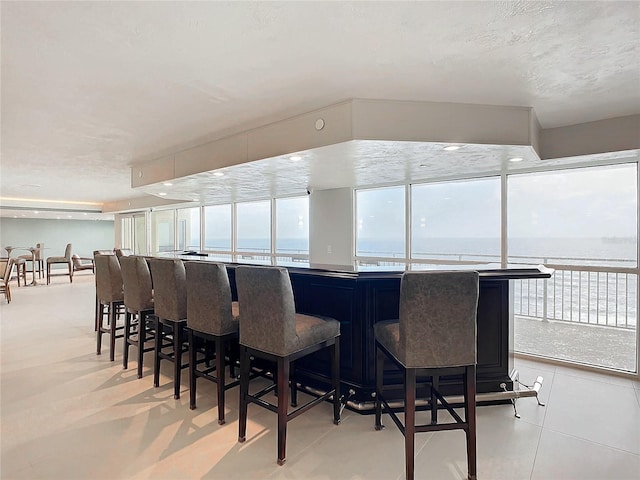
531 391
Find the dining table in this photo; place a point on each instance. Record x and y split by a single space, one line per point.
34 251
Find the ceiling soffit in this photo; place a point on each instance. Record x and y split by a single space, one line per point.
352 143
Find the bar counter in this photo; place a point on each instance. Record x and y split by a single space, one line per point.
358 297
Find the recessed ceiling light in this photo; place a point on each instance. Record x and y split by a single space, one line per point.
450 148
218 174
15 216
85 213
162 194
167 184
516 159
71 216
295 158
57 218
36 211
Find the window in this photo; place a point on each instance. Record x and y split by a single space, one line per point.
456 221
217 228
583 223
162 231
126 232
380 214
253 227
578 216
189 228
292 225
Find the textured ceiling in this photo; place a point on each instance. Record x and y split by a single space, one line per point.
91 88
369 163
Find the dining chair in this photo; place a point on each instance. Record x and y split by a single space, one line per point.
123 252
6 265
61 260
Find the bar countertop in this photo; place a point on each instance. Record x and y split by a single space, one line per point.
487 271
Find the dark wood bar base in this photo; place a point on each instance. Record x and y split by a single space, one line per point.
360 299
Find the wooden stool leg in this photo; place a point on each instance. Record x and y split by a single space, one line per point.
99 321
177 358
192 369
470 417
335 375
283 402
127 333
156 356
409 419
435 384
379 386
142 338
294 385
112 344
220 376
245 366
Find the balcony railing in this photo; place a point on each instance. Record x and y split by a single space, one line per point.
595 295
579 291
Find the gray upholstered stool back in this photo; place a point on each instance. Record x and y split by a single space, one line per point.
438 319
109 286
138 291
209 298
170 288
268 315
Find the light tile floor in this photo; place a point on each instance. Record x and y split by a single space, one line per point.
69 414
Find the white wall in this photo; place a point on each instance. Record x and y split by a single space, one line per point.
331 237
85 235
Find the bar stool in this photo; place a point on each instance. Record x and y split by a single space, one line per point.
110 293
100 309
138 301
170 299
271 329
211 316
436 333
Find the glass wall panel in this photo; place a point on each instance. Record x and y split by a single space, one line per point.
456 221
253 226
126 231
140 235
578 216
292 225
162 231
189 228
583 223
217 227
380 214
